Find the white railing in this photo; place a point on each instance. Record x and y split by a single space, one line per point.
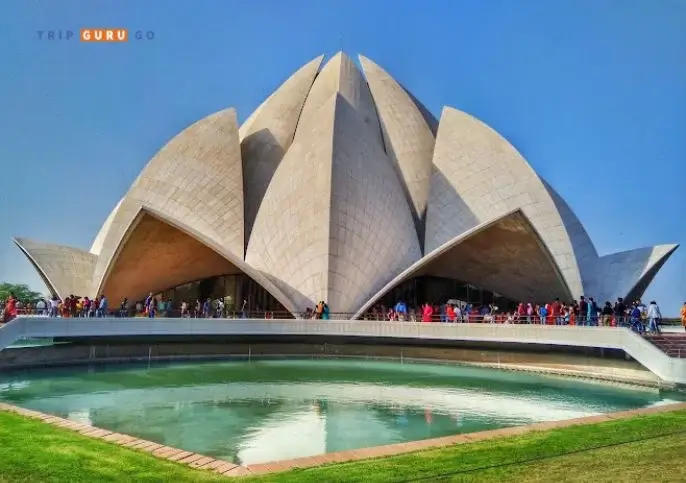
669 369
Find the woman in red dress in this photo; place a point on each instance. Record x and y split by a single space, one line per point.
427 312
11 308
450 313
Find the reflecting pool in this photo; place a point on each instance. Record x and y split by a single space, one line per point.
253 412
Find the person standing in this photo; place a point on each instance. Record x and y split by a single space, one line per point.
220 307
619 311
529 313
644 310
543 314
124 307
102 308
95 303
149 301
449 312
592 311
11 307
54 306
606 313
521 312
86 307
427 312
40 307
583 311
683 315
401 310
654 317
635 318
556 311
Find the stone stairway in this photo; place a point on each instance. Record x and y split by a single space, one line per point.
672 344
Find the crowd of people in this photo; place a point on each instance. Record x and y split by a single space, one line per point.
85 307
636 315
71 306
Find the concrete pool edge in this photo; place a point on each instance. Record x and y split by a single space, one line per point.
207 463
585 366
586 376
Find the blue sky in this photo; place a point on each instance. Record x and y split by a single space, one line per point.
592 92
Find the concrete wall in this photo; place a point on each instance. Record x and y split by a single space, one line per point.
103 351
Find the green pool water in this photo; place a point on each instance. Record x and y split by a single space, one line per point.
252 412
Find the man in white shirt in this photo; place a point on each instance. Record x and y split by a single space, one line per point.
40 307
654 317
54 305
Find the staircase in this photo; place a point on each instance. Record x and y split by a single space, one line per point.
674 345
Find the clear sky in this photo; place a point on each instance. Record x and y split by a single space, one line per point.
592 92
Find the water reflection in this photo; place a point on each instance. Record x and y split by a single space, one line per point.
269 410
274 437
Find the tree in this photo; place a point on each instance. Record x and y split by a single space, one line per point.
20 290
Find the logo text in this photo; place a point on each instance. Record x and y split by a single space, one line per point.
104 35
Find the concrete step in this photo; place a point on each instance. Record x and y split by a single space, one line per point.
674 345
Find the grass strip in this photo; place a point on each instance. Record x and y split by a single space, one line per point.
615 450
648 448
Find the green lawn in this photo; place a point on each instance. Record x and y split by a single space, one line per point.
643 448
571 454
36 452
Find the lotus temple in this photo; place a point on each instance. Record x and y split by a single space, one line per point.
342 187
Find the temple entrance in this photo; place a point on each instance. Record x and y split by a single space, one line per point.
437 290
233 289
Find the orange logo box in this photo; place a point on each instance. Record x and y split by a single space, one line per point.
104 35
